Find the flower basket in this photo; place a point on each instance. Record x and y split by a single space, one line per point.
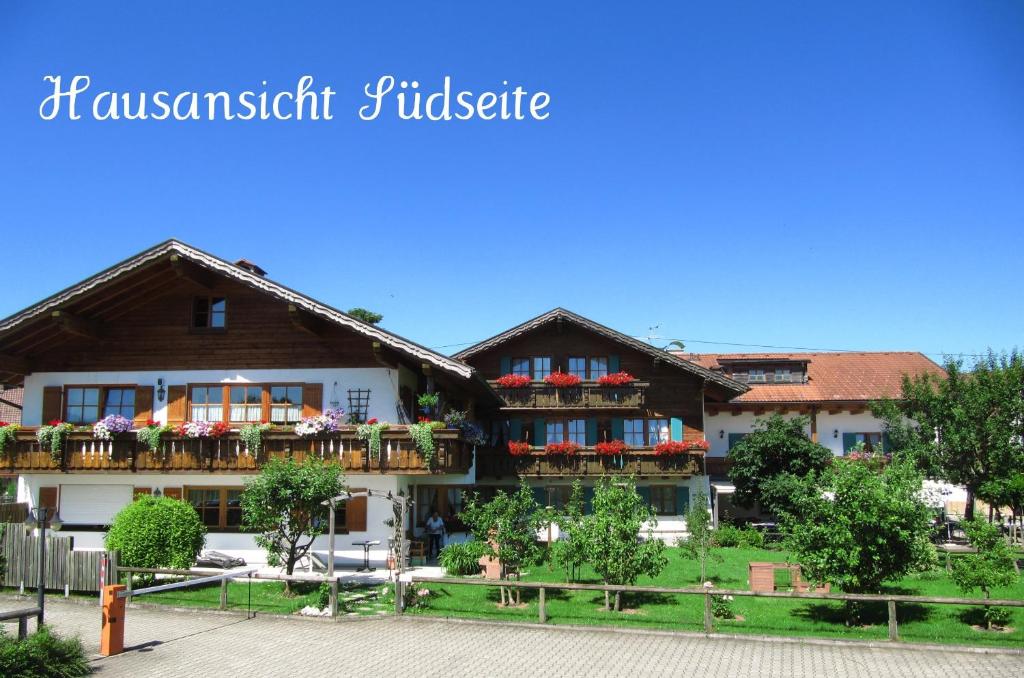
513 381
616 379
610 448
320 425
671 448
566 449
518 449
203 429
110 426
562 380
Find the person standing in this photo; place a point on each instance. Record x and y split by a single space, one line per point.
435 532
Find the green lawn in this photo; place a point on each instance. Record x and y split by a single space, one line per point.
768 616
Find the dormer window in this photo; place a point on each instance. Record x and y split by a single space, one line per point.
756 376
209 312
783 376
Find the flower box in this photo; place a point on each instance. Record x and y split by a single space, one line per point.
518 449
562 380
513 381
675 447
567 449
610 448
616 379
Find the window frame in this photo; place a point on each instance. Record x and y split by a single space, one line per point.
100 400
762 375
265 404
658 503
582 374
593 374
210 300
516 369
539 375
876 438
222 508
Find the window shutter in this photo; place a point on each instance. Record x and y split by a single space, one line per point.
506 365
588 500
645 493
175 405
173 493
613 364
143 405
591 432
53 397
540 433
735 438
682 499
355 512
849 440
540 495
141 492
618 429
886 443
676 429
312 400
515 429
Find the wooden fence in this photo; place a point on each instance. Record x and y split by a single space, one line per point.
708 594
65 569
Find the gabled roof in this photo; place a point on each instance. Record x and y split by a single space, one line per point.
245 277
831 377
563 314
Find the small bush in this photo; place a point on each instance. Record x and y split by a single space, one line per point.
997 616
461 559
158 533
721 607
42 655
323 595
730 536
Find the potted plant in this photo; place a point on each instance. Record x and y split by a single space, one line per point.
321 424
203 429
562 380
110 426
616 379
8 433
150 434
428 403
53 435
565 449
513 381
518 449
370 434
422 434
610 448
252 436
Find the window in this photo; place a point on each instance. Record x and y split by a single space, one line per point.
83 405
657 432
555 432
285 404
663 499
541 367
578 366
558 496
578 431
633 432
207 403
872 441
598 368
119 401
246 403
209 312
521 366
783 376
756 376
218 507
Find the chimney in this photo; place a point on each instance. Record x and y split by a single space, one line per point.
251 267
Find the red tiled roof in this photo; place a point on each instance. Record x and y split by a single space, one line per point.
831 376
10 404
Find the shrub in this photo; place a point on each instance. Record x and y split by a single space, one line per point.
721 607
157 532
730 536
997 616
462 559
41 655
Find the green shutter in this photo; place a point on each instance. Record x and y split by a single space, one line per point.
645 493
515 429
682 499
540 433
849 440
506 365
613 364
618 429
588 500
540 495
735 438
591 432
676 428
886 443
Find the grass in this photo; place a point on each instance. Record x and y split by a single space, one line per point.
764 616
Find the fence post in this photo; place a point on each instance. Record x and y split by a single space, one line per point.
223 594
708 616
22 627
399 596
128 588
893 630
542 609
334 597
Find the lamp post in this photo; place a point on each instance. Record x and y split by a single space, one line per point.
37 518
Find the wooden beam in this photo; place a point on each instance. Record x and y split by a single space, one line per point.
306 321
186 270
13 364
77 325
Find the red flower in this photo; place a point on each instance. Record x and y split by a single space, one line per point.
673 447
616 379
55 422
3 423
182 430
517 449
568 448
151 422
423 420
611 447
219 429
513 381
371 420
562 380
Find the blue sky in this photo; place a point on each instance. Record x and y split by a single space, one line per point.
819 175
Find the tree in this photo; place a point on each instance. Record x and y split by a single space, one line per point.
284 503
508 524
612 533
857 526
570 551
368 317
990 567
699 543
768 464
157 533
1008 492
971 423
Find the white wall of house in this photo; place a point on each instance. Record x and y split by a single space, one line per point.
382 382
719 426
831 428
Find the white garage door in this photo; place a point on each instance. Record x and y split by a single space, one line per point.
92 504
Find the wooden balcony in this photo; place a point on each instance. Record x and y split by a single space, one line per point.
499 464
588 395
227 454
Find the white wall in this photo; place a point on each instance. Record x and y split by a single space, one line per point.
382 382
720 425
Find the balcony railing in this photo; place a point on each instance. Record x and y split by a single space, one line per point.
541 395
228 454
499 464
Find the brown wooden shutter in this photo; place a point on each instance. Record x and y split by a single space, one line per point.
172 492
312 399
53 399
355 512
175 405
143 405
141 492
48 498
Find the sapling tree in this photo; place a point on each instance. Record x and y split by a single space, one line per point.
699 543
284 504
613 536
570 551
990 567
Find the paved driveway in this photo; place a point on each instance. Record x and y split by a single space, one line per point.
168 643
